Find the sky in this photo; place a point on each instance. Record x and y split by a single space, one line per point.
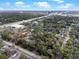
39 5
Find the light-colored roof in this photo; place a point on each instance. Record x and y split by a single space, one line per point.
17 26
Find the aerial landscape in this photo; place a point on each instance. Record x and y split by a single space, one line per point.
31 29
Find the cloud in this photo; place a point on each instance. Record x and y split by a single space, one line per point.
7 3
21 4
67 6
59 1
42 4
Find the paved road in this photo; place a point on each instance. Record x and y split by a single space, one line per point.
66 38
29 20
37 18
24 51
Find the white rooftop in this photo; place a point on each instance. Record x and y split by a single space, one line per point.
17 26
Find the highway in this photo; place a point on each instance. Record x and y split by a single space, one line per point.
37 18
24 51
29 20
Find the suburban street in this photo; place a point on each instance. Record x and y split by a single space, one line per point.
66 38
24 51
39 29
